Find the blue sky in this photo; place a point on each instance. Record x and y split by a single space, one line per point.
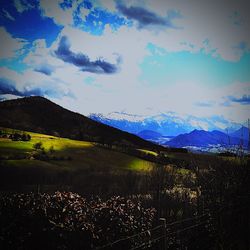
140 57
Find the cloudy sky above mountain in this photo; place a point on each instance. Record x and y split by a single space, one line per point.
142 57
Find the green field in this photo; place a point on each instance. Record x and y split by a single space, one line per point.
82 154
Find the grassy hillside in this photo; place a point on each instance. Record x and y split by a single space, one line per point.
62 162
73 154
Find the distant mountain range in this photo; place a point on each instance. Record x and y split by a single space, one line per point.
172 130
167 124
38 114
201 138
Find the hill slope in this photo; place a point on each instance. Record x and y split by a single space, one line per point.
40 115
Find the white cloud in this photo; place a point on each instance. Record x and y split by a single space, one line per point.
210 20
201 21
84 13
109 5
40 54
65 17
22 6
7 15
9 97
38 84
52 9
23 80
10 47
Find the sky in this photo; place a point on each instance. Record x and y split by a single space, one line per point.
141 57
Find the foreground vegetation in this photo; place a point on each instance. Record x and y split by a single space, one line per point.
68 221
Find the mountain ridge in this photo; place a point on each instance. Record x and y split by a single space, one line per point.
201 138
167 124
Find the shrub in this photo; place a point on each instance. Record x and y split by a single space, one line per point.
16 137
26 137
51 150
38 146
65 220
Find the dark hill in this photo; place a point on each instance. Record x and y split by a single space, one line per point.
38 114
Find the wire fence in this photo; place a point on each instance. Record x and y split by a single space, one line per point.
160 232
166 233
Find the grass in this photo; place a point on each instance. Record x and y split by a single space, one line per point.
148 152
83 154
140 165
47 142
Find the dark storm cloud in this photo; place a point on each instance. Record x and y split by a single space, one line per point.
82 61
145 17
245 99
44 69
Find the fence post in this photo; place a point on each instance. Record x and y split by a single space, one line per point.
38 189
164 240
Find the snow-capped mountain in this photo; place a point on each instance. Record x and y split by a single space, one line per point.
167 124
